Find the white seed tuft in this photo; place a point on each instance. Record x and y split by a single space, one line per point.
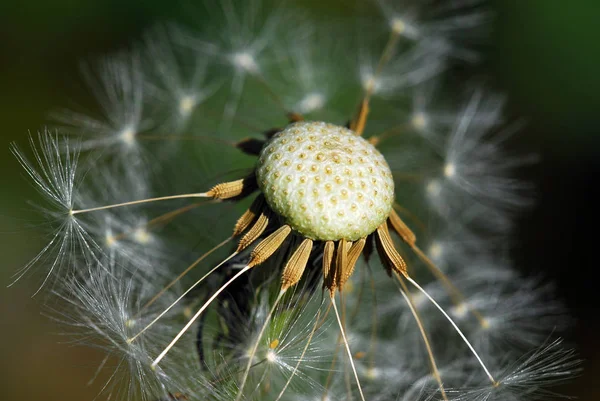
310 102
419 120
449 170
187 104
245 61
128 136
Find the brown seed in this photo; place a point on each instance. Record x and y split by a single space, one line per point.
268 246
388 252
292 273
353 255
228 190
402 229
249 215
328 251
256 231
341 260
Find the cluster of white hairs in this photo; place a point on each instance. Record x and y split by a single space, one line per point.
142 262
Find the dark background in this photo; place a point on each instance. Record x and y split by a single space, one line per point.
544 54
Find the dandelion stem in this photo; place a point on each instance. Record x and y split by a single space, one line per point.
272 93
98 370
346 371
333 359
411 216
373 345
137 202
129 340
197 315
460 333
186 271
436 373
342 331
186 138
457 297
396 130
164 219
360 120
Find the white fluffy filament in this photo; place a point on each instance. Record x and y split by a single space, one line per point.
289 380
410 303
256 343
460 333
137 202
337 315
180 297
197 315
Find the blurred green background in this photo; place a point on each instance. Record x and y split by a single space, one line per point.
544 54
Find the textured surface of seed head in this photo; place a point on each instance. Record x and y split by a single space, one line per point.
326 182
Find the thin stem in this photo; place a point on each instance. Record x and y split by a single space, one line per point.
375 140
256 343
333 360
337 315
457 297
129 340
460 333
137 202
346 372
360 120
164 218
186 271
186 138
411 216
436 373
197 315
271 93
373 345
310 336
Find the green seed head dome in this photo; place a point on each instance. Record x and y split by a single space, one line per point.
326 182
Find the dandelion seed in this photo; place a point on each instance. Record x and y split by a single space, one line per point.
118 87
54 174
177 85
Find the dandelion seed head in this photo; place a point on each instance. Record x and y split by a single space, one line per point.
326 182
